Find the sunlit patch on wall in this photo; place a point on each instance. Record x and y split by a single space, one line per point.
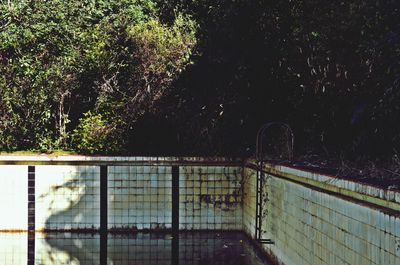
67 197
14 196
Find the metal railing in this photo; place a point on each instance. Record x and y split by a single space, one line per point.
260 158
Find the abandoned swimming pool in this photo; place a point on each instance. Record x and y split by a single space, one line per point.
293 216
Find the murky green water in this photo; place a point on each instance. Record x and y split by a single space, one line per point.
133 249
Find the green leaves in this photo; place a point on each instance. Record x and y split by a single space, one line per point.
162 51
96 134
60 59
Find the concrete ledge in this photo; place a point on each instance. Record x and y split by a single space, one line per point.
386 198
115 160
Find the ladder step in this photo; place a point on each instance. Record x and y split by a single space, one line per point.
266 241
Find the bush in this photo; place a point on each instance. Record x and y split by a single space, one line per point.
96 134
60 59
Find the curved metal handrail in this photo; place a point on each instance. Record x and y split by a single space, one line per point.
260 175
260 138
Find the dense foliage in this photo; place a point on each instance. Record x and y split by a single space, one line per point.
329 69
91 65
112 76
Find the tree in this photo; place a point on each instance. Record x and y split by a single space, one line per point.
61 59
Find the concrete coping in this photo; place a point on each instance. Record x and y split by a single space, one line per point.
381 197
113 160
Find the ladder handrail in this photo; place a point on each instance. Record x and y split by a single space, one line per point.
260 174
260 138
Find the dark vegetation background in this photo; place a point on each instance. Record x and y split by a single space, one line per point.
199 77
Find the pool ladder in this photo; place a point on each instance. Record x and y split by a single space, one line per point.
260 174
259 195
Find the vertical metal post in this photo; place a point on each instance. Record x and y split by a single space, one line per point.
175 216
175 199
103 214
31 198
103 199
31 215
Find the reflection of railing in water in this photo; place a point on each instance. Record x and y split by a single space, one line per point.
31 248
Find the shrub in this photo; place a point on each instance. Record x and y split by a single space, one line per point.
97 134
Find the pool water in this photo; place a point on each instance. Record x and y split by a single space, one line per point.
194 248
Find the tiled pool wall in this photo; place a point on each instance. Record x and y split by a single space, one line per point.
139 197
67 197
313 226
313 219
14 196
210 198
